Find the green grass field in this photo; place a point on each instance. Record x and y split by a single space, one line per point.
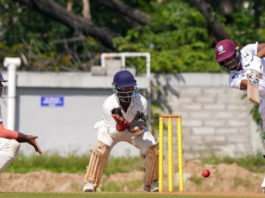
122 195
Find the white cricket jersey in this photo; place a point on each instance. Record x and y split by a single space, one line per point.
138 103
235 77
1 119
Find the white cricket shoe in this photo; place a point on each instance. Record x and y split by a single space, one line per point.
153 187
89 187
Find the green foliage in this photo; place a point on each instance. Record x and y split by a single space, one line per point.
49 161
38 39
177 35
70 163
175 44
248 24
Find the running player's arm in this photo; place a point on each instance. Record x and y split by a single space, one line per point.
20 137
8 134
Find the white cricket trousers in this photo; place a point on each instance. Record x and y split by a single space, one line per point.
142 141
8 150
262 106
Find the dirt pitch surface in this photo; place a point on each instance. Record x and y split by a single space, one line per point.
225 180
218 194
127 195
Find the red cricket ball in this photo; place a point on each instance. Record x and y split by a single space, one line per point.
206 173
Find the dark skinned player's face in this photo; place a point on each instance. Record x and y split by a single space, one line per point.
232 63
125 93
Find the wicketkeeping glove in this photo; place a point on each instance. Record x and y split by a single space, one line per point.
121 123
137 123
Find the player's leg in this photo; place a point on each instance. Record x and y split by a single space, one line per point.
262 114
8 151
263 182
151 169
263 185
98 160
149 150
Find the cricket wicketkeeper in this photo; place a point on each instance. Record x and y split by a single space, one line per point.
124 119
10 140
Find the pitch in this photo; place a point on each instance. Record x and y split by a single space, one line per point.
128 195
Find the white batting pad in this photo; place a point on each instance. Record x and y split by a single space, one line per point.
97 163
151 165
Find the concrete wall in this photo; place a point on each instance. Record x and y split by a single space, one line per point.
214 117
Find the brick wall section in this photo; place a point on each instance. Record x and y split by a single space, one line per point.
214 117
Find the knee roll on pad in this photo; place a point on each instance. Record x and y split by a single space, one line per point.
97 163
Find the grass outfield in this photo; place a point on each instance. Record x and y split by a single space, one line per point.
126 195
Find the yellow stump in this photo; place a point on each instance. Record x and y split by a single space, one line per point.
170 156
160 157
180 155
170 152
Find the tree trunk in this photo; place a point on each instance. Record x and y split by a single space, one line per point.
56 12
217 28
69 5
86 9
133 14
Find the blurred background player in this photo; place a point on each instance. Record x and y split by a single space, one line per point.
10 140
124 114
242 65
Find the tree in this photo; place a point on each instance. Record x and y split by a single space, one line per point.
216 27
180 35
57 12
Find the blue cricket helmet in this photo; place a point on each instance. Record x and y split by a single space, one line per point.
116 76
124 78
124 85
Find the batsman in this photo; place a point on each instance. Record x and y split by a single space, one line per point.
246 68
124 119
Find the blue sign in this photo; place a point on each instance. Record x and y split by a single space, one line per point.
52 101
